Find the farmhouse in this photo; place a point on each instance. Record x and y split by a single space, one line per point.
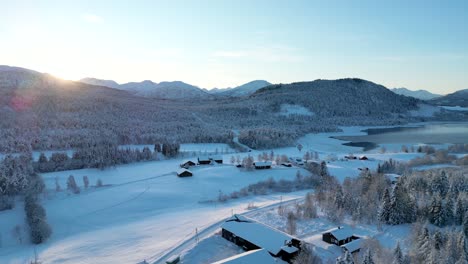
187 164
249 257
262 165
184 173
204 160
338 236
363 158
250 235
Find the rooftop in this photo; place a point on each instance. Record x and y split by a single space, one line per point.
259 234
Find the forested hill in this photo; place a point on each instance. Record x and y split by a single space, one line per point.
343 97
42 112
458 98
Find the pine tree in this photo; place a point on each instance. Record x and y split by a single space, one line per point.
397 255
85 181
424 246
368 258
448 212
386 208
436 214
460 211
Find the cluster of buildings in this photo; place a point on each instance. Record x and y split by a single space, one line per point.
185 166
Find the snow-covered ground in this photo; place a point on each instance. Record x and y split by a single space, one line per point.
145 210
455 108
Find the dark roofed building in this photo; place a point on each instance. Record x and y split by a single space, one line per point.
338 236
184 173
187 164
204 160
250 235
262 165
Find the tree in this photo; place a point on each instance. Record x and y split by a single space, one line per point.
323 169
233 160
40 231
72 186
436 214
460 211
98 183
307 256
291 224
85 181
299 147
368 258
386 208
440 184
57 185
347 258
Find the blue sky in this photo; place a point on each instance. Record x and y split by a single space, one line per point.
413 44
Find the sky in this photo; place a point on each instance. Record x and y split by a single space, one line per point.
413 44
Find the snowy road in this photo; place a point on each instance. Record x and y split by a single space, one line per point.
208 231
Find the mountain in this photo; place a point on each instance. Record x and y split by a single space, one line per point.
419 94
458 98
165 90
99 82
42 112
147 88
243 90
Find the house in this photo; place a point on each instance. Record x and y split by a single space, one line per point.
286 164
262 165
250 257
338 236
363 158
184 173
251 235
217 159
350 157
353 246
204 160
187 164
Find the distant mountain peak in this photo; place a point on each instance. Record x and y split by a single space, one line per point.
242 90
419 94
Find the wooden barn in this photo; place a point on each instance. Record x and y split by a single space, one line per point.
251 235
260 165
187 164
338 236
184 173
250 257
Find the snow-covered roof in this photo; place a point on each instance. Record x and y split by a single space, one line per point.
353 245
250 257
289 249
204 158
256 233
340 233
217 157
182 171
262 163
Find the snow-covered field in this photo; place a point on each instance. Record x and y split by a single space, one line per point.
145 210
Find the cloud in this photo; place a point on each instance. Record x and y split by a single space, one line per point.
92 18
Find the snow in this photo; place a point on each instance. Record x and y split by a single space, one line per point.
257 233
145 210
289 109
340 233
353 245
211 249
425 110
249 257
455 108
143 203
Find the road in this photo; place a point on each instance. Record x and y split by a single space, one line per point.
206 232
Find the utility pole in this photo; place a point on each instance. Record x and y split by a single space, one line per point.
196 235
